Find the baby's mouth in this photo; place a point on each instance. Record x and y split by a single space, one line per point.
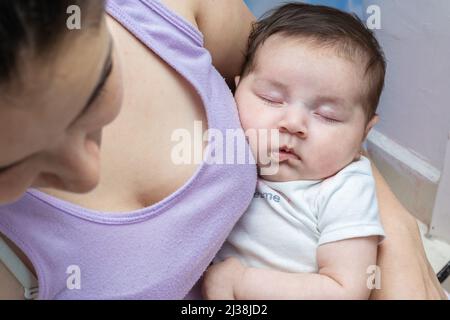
285 153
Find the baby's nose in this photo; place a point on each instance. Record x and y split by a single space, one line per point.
295 121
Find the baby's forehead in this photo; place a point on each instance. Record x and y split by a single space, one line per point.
309 83
321 47
298 60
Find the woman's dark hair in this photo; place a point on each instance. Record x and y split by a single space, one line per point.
37 25
327 28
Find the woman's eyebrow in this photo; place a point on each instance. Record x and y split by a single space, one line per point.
100 84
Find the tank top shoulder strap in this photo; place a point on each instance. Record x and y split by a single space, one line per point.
163 31
174 39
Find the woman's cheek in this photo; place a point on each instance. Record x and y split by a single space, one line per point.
108 107
113 104
116 91
15 182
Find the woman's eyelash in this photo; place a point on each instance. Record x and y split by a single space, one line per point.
100 94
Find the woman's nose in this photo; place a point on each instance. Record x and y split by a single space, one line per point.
295 121
75 163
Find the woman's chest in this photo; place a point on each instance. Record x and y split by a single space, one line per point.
154 145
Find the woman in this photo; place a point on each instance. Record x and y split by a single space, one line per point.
120 249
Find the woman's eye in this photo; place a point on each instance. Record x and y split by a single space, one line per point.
93 103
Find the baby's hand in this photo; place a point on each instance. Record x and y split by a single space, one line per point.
221 279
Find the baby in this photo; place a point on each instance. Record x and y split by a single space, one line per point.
314 74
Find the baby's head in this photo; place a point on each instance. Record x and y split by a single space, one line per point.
315 74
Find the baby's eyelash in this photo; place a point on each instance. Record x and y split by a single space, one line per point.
269 102
326 119
329 120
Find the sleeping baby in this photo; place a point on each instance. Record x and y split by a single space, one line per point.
315 75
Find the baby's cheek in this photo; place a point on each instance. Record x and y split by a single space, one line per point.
250 123
245 115
329 162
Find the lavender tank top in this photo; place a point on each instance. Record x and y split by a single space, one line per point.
158 252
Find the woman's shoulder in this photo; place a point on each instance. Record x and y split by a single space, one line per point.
187 9
225 26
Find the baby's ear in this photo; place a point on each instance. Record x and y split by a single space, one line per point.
237 79
370 125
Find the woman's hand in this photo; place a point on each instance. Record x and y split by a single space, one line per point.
221 280
405 270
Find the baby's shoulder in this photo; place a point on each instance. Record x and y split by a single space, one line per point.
355 176
356 168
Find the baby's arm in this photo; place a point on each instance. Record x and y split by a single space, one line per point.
342 275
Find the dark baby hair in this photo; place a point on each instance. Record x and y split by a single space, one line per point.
325 27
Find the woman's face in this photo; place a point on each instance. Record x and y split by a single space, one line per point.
52 115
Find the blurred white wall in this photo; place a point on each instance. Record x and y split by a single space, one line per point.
415 106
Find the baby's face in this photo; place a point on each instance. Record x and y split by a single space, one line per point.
312 97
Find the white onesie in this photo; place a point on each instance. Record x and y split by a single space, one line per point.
287 221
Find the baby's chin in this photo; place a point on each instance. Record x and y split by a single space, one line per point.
286 172
294 171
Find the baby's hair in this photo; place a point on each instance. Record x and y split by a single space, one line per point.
325 27
36 26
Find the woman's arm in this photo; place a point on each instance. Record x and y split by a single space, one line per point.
10 288
405 270
226 26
